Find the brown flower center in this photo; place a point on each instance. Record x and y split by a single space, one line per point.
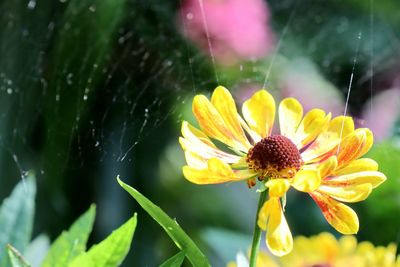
275 156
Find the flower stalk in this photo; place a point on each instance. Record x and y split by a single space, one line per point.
257 231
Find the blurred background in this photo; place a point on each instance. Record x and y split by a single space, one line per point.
94 89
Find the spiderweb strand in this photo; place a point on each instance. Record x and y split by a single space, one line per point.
359 37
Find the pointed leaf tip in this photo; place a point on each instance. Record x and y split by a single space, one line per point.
112 250
171 227
175 261
16 259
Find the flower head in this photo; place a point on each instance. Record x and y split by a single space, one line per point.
324 250
313 154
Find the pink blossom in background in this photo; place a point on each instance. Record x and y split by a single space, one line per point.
302 80
238 29
381 113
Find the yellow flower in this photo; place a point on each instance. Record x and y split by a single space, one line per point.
313 154
324 250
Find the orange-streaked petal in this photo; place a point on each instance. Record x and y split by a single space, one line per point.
354 146
259 112
374 178
212 123
277 187
327 167
197 142
195 135
224 103
290 115
313 123
306 180
339 215
272 220
328 140
351 193
216 172
359 165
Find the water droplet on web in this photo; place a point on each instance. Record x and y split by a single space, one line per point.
92 8
85 97
69 78
9 91
31 4
189 16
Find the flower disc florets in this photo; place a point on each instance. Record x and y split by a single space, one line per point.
275 156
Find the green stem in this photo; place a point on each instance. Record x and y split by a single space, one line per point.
257 231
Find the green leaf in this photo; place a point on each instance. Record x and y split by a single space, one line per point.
16 258
112 250
175 261
37 250
72 243
16 217
181 239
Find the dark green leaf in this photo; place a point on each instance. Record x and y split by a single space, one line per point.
175 261
181 239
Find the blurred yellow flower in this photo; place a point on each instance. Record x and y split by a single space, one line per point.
324 250
313 154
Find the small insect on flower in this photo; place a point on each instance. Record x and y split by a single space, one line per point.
313 153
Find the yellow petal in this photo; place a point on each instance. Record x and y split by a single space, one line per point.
340 216
272 220
328 140
195 135
351 193
348 244
216 172
259 112
224 103
354 146
212 123
197 142
374 178
264 260
359 165
306 180
313 123
327 167
253 135
277 187
194 160
290 114
327 246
